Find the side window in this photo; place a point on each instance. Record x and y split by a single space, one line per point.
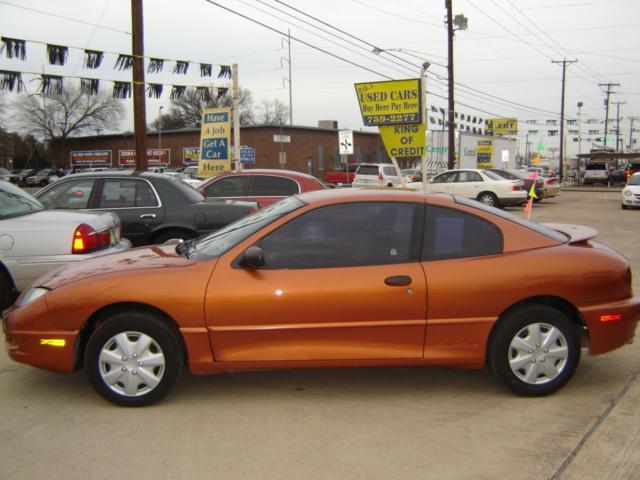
228 187
469 177
265 186
68 195
126 193
389 171
445 177
344 235
450 233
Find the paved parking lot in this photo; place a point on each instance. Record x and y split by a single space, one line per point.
377 423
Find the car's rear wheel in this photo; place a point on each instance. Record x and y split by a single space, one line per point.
165 235
133 358
488 198
534 351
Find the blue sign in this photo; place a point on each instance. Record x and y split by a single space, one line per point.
215 149
247 155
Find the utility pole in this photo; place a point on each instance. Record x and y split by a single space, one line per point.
617 104
631 119
561 155
288 60
606 104
579 129
139 113
235 99
451 150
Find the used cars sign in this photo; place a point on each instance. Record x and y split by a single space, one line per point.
390 103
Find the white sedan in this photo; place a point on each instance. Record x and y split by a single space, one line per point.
631 192
34 240
482 185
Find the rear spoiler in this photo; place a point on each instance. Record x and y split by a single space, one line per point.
576 233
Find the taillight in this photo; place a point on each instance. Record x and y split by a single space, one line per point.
86 239
380 177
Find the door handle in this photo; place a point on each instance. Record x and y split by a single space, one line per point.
398 281
148 215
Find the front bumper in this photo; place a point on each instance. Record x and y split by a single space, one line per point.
31 338
612 325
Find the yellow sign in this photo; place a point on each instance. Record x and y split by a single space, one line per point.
508 126
406 140
215 135
484 152
536 159
389 103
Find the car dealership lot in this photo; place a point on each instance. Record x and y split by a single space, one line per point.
344 423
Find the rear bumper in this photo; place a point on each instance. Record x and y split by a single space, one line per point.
612 325
513 201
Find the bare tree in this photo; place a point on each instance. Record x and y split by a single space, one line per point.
55 118
273 112
186 112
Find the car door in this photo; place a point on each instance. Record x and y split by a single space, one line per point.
340 282
135 201
468 184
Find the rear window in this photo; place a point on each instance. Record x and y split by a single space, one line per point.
536 227
367 170
189 193
596 166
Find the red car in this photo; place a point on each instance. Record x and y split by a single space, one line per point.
260 185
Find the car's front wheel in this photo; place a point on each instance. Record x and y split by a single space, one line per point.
133 358
534 351
488 198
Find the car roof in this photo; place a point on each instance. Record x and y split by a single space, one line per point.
118 173
339 195
268 171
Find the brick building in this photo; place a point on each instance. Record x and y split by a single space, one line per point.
308 149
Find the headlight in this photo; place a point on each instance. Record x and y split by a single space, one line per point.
31 295
627 193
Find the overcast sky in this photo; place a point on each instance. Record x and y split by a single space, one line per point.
505 54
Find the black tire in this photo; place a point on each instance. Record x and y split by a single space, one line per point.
6 292
163 352
488 198
165 235
624 207
511 361
389 185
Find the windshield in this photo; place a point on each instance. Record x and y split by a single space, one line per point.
635 180
217 243
15 202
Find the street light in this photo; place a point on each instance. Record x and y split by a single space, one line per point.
160 127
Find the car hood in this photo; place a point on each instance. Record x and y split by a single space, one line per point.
143 258
61 220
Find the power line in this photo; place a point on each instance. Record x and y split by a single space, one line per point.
43 12
326 52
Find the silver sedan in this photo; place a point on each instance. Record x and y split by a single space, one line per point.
34 240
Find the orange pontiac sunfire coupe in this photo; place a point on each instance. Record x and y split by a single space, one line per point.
335 279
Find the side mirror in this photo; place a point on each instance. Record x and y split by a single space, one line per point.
253 258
